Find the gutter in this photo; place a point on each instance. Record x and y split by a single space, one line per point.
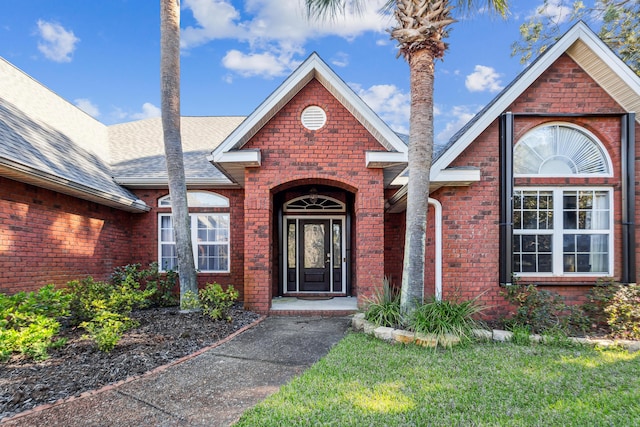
29 175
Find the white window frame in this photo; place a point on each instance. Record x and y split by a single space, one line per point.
558 232
585 132
194 239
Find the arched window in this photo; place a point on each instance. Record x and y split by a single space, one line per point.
198 199
314 202
562 230
560 150
210 233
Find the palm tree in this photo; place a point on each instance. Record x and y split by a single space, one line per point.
422 26
170 105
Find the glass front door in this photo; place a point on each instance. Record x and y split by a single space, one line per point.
314 255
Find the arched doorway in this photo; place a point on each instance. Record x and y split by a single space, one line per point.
315 242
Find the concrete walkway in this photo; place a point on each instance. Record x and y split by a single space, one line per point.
211 389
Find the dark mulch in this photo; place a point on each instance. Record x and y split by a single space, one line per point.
164 335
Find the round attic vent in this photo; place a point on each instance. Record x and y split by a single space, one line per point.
313 117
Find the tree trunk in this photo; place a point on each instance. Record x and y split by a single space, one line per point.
421 67
170 105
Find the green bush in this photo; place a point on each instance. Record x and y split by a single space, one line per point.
598 299
216 302
623 312
89 297
159 288
103 308
443 318
384 308
106 328
29 322
543 311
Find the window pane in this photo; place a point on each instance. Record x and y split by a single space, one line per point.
291 246
337 245
212 245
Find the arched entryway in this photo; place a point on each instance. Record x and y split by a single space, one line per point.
314 241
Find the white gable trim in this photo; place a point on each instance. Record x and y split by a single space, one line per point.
312 67
579 32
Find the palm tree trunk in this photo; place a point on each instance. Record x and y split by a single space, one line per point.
170 105
422 68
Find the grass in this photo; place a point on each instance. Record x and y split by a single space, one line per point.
364 381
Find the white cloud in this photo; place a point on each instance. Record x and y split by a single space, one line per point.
340 59
483 79
460 115
265 64
555 10
389 102
88 107
275 32
56 43
148 110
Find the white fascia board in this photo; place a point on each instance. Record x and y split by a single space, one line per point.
310 68
457 176
383 159
578 31
373 122
268 107
247 158
32 176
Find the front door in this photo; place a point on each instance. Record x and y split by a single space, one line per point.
315 257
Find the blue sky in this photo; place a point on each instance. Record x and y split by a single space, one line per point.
103 56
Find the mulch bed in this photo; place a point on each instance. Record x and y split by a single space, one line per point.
164 335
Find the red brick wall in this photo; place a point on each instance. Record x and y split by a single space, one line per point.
47 237
145 228
292 155
470 215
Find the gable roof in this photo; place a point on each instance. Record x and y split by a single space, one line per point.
229 157
48 142
588 51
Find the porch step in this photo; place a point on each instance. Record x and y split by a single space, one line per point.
335 307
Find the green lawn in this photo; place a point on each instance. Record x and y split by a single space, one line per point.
366 382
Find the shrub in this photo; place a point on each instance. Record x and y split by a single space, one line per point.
384 308
623 311
598 299
29 322
447 318
159 289
103 308
216 302
538 309
106 328
89 297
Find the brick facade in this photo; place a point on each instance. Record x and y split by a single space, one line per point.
145 228
471 214
292 156
48 237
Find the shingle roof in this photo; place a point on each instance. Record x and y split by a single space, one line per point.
29 146
137 150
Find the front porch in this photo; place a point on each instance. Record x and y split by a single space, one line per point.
333 307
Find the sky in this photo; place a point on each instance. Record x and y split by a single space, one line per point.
104 56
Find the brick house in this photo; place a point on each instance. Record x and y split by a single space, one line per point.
306 196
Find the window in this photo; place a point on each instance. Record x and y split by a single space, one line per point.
209 234
560 150
210 239
562 231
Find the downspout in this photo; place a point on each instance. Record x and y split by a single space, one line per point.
438 232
